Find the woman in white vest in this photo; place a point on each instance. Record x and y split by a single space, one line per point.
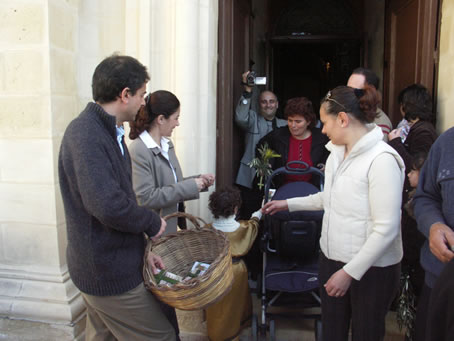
361 244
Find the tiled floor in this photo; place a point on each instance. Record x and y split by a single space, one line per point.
193 328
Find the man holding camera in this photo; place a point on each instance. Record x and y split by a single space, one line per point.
255 126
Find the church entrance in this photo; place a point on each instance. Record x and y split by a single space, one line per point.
306 47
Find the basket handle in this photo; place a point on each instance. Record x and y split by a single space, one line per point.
190 217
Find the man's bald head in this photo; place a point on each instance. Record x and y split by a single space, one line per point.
268 104
362 76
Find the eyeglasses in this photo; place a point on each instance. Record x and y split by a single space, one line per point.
328 98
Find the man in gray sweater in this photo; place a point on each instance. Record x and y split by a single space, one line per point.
105 225
434 212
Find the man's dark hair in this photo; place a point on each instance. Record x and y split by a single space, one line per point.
369 75
416 103
116 73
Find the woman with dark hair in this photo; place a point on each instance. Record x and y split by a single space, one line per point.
416 109
156 173
360 241
300 140
226 317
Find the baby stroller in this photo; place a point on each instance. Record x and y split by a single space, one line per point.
290 247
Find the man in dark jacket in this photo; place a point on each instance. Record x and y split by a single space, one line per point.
105 225
434 212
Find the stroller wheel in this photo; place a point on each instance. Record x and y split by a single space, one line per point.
272 331
318 330
254 327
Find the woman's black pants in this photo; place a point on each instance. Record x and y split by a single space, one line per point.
365 304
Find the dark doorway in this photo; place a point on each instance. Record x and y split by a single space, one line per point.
411 49
310 69
307 47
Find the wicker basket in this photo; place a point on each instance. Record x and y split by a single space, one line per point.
179 251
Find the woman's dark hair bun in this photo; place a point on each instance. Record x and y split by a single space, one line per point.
368 103
160 102
359 93
360 103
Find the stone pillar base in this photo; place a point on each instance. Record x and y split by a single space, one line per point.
40 331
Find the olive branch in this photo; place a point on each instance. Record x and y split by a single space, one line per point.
262 163
406 310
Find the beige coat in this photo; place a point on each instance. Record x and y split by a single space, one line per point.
154 182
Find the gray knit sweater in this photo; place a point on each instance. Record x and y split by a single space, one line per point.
105 225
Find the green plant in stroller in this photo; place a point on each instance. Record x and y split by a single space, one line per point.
262 163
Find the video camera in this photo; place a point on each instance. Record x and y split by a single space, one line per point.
252 79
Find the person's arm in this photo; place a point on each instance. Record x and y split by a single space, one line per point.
245 117
385 193
428 209
148 191
420 143
86 162
313 202
427 200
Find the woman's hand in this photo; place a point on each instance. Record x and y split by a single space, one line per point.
209 178
274 206
204 181
338 283
155 262
200 183
395 133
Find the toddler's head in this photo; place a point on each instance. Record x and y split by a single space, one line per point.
224 202
413 175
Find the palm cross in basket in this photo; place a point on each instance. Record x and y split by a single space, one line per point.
262 163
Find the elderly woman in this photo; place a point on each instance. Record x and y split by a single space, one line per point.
156 173
299 141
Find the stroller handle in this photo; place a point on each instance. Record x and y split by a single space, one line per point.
287 169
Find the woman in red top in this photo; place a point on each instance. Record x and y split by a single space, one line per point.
299 141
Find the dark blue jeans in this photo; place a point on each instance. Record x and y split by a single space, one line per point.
365 304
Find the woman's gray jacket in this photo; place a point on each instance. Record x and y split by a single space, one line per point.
154 182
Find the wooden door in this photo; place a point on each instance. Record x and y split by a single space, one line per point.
233 60
410 49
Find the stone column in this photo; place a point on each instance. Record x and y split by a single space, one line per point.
184 61
48 52
445 118
37 98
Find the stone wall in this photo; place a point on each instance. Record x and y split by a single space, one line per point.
445 116
48 52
